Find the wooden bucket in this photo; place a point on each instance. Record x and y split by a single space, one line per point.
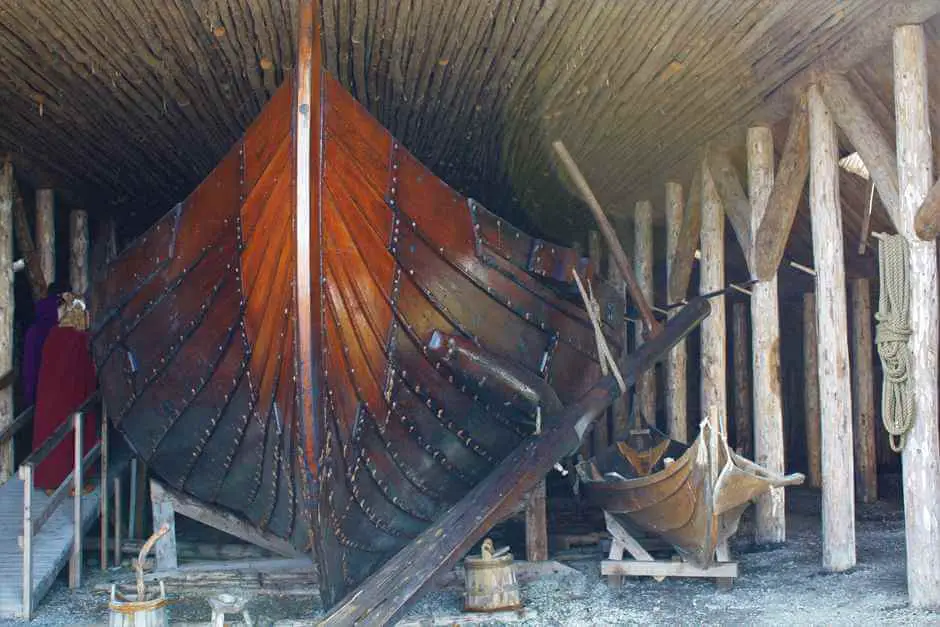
490 580
151 612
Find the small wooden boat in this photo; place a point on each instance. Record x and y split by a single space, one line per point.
692 496
266 347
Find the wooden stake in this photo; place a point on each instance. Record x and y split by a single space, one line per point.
863 392
676 362
634 289
835 390
6 314
811 390
712 277
78 251
45 232
744 434
536 525
643 259
164 513
765 338
921 455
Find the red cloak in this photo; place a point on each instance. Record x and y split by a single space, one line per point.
66 379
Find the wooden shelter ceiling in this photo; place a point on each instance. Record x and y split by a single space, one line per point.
126 105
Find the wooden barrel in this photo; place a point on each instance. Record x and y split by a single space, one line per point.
151 612
491 584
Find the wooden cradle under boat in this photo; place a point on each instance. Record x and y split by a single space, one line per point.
264 347
692 496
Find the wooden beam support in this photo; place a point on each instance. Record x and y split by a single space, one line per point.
45 232
774 229
682 260
921 454
867 137
163 513
78 251
643 267
714 391
736 204
24 240
599 436
744 433
811 391
835 390
536 525
6 313
620 410
676 362
765 342
863 392
927 222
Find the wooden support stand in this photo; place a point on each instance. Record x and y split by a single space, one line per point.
643 564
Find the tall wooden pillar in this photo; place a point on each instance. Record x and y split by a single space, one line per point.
765 334
78 251
744 433
835 390
676 362
863 392
620 410
921 454
811 391
599 434
45 232
6 313
714 391
643 266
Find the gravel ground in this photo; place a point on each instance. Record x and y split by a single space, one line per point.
781 585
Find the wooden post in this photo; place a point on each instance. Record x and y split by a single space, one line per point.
921 454
712 277
6 313
165 549
620 410
78 251
141 496
765 337
132 498
118 520
863 392
835 390
744 434
75 561
536 529
103 490
26 473
811 390
643 264
599 436
676 403
45 232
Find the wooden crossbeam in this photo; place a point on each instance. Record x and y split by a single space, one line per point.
735 201
774 231
684 255
869 139
927 220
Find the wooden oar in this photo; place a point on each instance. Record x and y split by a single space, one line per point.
650 325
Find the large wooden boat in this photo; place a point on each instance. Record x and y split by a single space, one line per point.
692 496
265 345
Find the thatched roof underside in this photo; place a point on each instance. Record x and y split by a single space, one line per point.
125 106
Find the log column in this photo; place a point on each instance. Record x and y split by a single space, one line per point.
620 410
835 400
676 395
765 334
643 267
921 454
78 251
744 434
45 232
711 278
863 392
599 435
811 390
6 313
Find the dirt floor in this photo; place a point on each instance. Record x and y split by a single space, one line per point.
780 585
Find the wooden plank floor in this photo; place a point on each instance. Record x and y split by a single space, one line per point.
51 546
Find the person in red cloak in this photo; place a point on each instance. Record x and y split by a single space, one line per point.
66 379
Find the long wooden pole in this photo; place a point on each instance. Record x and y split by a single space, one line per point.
620 410
765 337
599 436
711 278
45 232
835 390
6 313
78 251
921 455
676 363
643 253
744 434
613 243
863 392
811 391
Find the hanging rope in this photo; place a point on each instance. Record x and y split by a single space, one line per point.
891 337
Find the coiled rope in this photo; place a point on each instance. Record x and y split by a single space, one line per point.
891 336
